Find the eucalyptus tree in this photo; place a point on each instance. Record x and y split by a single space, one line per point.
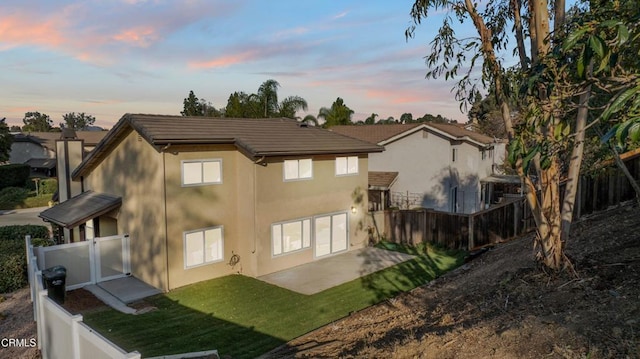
337 114
545 139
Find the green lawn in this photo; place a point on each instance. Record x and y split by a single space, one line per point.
244 317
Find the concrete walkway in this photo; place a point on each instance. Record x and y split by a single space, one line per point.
117 293
319 275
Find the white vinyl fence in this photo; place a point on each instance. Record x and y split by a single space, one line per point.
61 334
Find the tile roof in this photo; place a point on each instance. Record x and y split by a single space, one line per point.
381 180
48 139
81 208
374 133
255 138
382 133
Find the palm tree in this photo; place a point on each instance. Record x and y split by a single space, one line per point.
310 119
338 114
290 105
268 97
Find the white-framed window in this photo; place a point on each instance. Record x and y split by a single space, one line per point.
298 169
330 233
203 246
290 236
201 172
346 165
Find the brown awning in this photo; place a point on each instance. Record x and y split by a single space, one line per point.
81 208
382 180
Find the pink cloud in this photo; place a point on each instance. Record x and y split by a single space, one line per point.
141 36
225 61
19 29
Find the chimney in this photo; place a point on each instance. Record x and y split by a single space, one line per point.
69 152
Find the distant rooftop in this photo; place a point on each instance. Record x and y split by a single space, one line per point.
384 132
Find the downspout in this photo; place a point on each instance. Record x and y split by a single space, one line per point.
255 207
166 217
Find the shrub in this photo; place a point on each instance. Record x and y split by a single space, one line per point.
49 185
17 232
13 272
13 194
13 261
14 175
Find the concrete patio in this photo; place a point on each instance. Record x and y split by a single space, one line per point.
314 277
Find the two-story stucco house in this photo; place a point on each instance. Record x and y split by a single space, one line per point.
206 197
430 165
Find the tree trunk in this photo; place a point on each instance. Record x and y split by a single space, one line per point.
575 162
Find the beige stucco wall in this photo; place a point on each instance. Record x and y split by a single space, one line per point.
326 193
192 208
249 200
134 171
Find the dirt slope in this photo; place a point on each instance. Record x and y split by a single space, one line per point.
501 306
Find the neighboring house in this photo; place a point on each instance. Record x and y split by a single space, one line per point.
430 165
206 197
37 149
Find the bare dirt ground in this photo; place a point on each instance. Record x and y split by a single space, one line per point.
500 305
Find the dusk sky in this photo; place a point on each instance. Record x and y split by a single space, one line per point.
108 58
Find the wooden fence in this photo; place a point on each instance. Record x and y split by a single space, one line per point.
507 220
460 231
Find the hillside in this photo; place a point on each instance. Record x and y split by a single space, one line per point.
502 306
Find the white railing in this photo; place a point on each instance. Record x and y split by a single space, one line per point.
61 334
89 262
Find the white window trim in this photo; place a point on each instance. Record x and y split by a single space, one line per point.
306 243
331 215
204 262
297 178
347 173
201 161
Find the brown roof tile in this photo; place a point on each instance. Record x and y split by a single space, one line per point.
380 133
382 180
253 137
81 208
48 139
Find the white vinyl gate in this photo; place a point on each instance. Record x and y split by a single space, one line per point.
89 262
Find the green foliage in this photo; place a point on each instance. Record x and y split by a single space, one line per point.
36 122
264 103
14 175
79 121
13 264
48 186
192 106
18 232
5 141
13 194
13 269
337 114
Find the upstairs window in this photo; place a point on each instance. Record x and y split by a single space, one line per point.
201 172
346 165
298 169
454 154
